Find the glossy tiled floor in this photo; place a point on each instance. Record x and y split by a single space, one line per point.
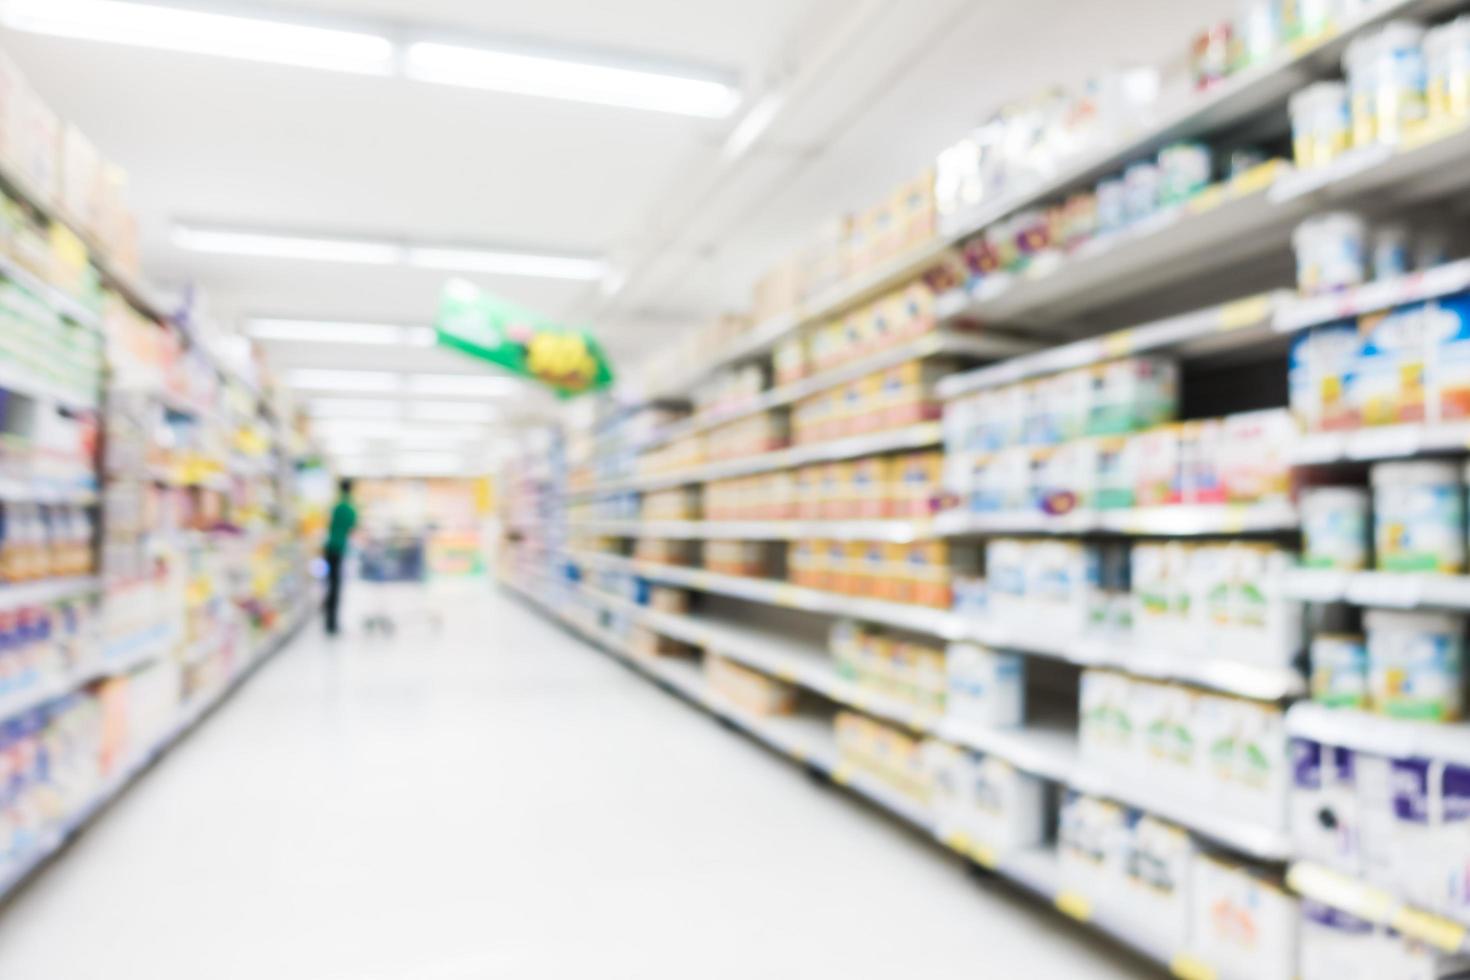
498 800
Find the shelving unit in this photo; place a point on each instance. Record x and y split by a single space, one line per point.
158 624
809 744
894 440
1378 906
16 874
1164 279
937 344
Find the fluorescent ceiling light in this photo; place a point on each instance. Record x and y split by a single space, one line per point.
354 408
264 245
562 78
506 263
464 385
174 29
420 336
331 332
315 379
452 412
258 244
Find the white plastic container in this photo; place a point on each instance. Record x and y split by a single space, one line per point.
1335 528
1339 670
1321 127
1416 664
1418 517
1386 80
1331 252
1447 68
1392 253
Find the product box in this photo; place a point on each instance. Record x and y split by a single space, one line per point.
1321 361
1449 329
790 361
985 688
643 642
915 316
1157 467
1243 924
1007 807
1090 847
1387 382
81 179
748 689
1337 945
1325 818
664 599
1156 892
1131 395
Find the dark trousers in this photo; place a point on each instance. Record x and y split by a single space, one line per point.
334 588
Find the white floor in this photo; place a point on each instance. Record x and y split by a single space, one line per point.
500 800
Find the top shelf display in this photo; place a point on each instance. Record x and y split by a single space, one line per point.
1224 104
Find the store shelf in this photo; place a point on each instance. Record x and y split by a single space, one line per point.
1239 97
58 300
1207 330
1254 681
1381 442
1373 904
1170 247
1184 520
1257 682
811 744
920 619
1429 163
937 344
1386 590
47 590
17 491
1309 311
893 440
895 531
13 379
1237 833
1045 748
1243 95
13 874
1379 735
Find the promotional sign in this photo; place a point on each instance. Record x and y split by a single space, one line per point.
566 359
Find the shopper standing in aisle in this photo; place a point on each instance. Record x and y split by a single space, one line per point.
344 521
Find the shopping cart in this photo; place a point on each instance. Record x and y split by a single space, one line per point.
393 584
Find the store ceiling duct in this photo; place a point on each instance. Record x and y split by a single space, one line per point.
169 28
564 77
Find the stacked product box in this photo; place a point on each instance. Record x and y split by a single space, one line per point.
1154 877
889 754
1401 824
1224 753
886 663
919 573
748 689
984 800
1408 366
891 399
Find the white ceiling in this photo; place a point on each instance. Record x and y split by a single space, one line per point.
877 88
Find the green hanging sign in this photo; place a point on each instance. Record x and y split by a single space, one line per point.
565 359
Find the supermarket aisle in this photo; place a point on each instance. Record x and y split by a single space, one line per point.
501 801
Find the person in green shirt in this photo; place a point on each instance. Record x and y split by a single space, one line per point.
339 531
